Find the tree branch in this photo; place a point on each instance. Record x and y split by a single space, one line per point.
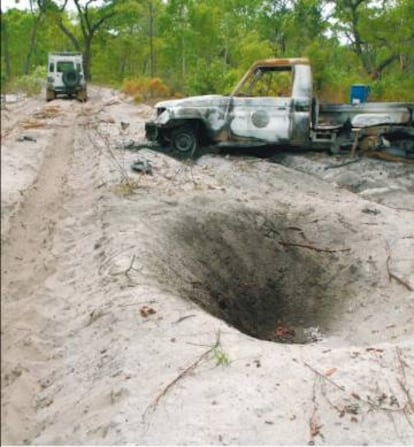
69 34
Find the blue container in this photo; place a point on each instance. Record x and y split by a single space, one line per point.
359 93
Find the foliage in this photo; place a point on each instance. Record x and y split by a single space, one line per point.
220 356
199 47
393 88
206 79
145 88
31 84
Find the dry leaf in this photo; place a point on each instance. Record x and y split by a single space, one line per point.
146 311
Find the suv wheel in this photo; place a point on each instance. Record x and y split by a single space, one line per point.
50 95
82 95
71 78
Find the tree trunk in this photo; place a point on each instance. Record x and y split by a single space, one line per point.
87 58
5 45
88 30
151 37
32 44
69 35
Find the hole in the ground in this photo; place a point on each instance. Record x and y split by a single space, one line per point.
233 265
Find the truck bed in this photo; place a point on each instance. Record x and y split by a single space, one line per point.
367 114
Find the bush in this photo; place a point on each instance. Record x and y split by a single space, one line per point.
145 88
31 84
393 88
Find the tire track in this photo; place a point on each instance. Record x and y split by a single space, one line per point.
25 254
27 261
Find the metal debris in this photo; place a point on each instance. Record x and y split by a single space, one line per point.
26 138
143 166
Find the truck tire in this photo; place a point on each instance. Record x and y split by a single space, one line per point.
185 140
82 95
71 78
50 95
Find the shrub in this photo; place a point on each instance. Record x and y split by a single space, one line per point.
31 84
393 88
145 88
204 78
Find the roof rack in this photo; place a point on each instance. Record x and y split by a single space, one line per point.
65 53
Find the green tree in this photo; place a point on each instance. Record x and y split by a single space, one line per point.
5 53
90 20
370 29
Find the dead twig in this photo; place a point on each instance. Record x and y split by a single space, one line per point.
102 143
340 387
152 407
345 163
314 422
311 247
185 168
126 271
183 318
403 381
392 275
399 208
341 410
354 408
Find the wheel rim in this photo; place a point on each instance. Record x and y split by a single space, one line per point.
184 142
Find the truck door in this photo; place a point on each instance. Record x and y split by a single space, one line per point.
273 104
261 119
262 110
301 104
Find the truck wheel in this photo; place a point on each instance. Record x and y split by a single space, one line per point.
185 140
82 95
50 95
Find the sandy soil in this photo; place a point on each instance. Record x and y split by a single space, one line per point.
228 300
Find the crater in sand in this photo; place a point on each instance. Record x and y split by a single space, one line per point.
236 266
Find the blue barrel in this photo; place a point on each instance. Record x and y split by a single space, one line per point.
359 93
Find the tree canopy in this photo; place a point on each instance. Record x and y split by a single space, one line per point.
203 46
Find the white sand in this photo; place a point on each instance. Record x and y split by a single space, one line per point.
83 364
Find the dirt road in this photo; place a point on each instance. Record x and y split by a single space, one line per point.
230 300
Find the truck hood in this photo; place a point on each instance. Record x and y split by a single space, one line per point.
194 101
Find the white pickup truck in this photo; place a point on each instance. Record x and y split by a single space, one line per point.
273 105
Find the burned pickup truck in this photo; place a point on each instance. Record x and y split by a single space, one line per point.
273 105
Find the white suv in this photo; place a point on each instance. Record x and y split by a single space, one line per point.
65 76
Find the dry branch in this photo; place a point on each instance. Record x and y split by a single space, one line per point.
372 405
312 247
345 163
180 376
403 381
342 388
392 275
314 422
